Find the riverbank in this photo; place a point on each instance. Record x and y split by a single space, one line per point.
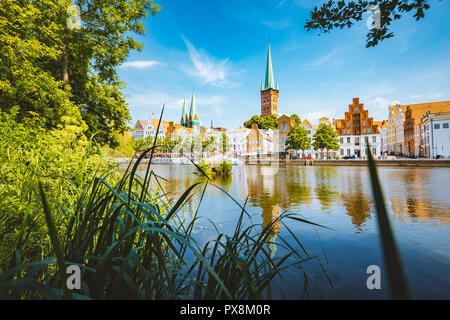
390 163
349 162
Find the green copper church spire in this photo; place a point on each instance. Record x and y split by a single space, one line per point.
269 82
183 113
193 108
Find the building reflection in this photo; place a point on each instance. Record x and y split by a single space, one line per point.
271 226
410 194
325 189
358 207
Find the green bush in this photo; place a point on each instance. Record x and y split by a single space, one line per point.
61 158
205 169
224 168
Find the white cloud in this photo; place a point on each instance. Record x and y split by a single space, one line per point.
140 64
207 68
277 25
324 58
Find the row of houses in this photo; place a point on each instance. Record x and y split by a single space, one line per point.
418 130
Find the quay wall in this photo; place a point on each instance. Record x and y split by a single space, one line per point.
350 162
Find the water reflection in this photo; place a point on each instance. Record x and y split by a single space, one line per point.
411 194
341 199
271 226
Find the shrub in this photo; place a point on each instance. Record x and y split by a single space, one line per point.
62 158
205 169
224 168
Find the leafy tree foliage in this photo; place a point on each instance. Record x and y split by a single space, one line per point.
55 71
269 122
341 14
209 144
298 139
225 143
325 138
163 144
297 119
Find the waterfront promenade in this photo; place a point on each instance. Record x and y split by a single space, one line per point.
302 162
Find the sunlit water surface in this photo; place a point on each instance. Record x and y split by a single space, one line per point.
418 201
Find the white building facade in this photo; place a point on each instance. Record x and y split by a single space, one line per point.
435 135
356 145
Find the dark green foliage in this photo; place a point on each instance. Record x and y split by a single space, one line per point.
61 73
298 139
224 168
340 14
269 122
325 138
297 119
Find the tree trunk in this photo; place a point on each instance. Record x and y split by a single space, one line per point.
65 65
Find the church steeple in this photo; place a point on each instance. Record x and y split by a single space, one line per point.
193 118
269 91
184 113
193 109
269 80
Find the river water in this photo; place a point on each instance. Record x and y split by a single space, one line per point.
417 199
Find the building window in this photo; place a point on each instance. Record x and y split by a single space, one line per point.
342 140
374 139
348 124
364 123
356 109
437 126
348 152
348 140
364 130
370 130
342 152
445 126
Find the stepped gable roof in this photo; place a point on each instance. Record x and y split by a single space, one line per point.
419 110
142 123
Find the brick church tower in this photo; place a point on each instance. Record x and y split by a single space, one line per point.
269 91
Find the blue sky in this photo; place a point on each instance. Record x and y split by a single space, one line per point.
218 49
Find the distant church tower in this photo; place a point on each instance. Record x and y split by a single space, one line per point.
190 119
269 91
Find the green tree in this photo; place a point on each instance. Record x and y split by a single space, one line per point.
325 138
297 119
225 145
209 145
340 14
269 122
255 119
298 139
56 71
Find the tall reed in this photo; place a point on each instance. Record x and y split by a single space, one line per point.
130 244
396 278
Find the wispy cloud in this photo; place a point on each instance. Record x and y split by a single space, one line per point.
207 68
324 58
140 64
278 25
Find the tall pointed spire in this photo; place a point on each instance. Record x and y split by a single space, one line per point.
193 109
193 121
183 113
269 82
